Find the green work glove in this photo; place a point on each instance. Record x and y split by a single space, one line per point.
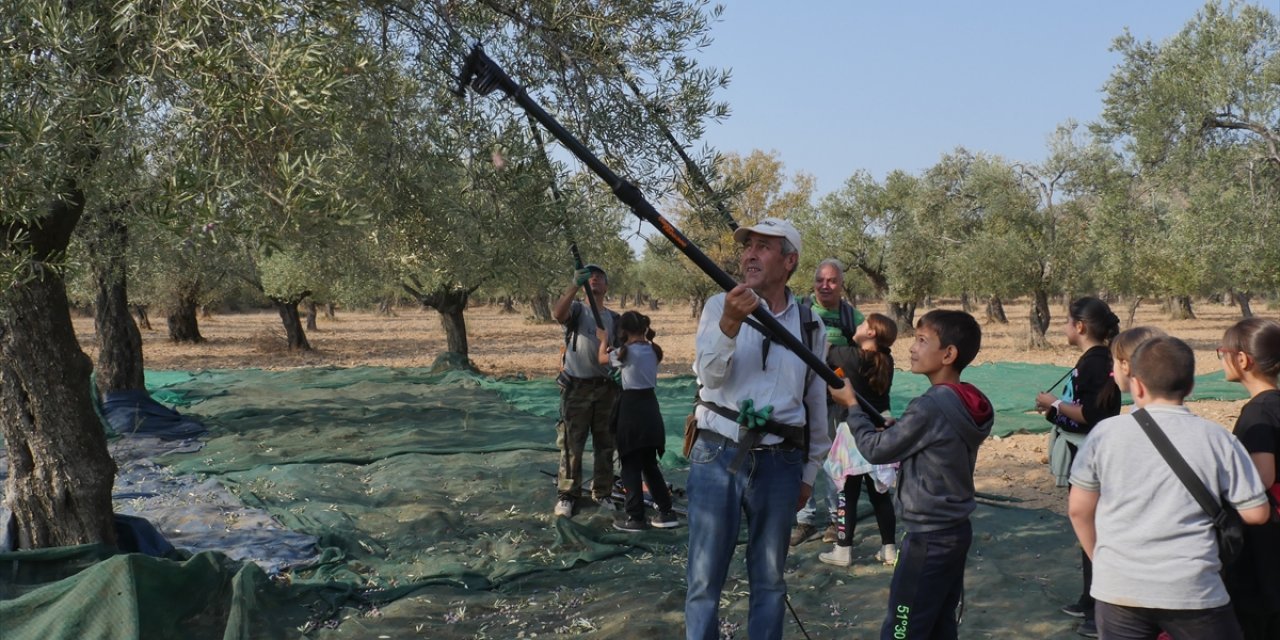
581 277
752 418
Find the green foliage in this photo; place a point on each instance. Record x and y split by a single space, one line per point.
1199 114
752 187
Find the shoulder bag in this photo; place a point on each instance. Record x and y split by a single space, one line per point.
1228 528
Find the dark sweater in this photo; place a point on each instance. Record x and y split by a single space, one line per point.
1092 387
936 440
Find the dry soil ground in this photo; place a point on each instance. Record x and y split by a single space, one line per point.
513 343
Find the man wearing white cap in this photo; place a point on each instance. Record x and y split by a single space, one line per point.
762 434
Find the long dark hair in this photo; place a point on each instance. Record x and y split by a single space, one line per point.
877 366
634 322
1099 322
1260 338
1102 325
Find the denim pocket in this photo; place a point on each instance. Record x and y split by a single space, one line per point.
704 452
792 456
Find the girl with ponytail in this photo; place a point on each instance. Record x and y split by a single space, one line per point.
636 424
870 371
1089 396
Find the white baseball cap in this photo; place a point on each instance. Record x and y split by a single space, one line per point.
774 227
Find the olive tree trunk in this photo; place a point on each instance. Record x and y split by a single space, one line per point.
696 302
995 311
144 321
450 302
1242 300
1038 320
1133 310
904 314
183 325
540 304
60 473
1180 308
312 312
294 335
120 364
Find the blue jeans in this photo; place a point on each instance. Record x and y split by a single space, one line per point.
766 488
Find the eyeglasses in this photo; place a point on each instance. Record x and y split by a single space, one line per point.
1223 351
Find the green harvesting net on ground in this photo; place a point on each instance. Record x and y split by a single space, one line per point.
373 501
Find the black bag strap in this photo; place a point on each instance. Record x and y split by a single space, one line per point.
846 322
571 330
1179 465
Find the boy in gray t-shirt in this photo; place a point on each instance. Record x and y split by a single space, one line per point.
1154 552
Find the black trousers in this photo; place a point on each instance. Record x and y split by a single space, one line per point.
847 510
927 585
1137 623
640 467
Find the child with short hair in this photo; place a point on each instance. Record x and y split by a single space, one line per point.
936 440
636 424
1122 348
1153 546
1250 355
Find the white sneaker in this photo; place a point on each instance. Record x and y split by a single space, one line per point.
838 556
888 554
564 508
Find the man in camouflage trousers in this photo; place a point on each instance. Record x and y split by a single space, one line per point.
587 395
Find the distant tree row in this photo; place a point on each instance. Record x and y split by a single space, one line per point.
1171 195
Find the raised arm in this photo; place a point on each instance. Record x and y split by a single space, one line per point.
602 355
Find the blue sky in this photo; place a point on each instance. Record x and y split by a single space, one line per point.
839 85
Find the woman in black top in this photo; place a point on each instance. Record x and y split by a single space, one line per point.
1250 354
1088 397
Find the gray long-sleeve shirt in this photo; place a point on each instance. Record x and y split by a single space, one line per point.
936 440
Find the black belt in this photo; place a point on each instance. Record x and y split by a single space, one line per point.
715 437
749 439
741 455
591 382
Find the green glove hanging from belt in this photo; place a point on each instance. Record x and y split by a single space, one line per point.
752 418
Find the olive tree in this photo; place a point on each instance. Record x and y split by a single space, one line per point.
1199 114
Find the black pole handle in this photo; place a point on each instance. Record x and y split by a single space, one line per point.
591 296
484 75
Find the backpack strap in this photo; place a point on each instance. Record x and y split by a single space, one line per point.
847 326
571 328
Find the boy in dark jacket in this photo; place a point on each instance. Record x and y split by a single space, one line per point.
936 440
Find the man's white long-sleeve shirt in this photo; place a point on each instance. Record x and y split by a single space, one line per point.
734 369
